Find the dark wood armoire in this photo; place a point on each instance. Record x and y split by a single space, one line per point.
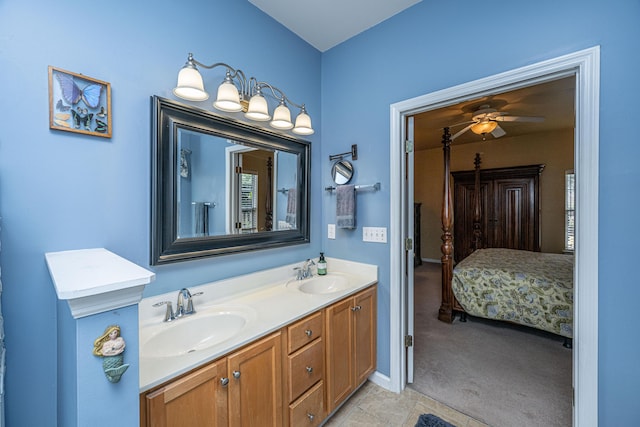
510 209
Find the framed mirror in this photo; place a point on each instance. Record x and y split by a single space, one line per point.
342 172
220 186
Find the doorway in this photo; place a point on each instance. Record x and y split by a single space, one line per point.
584 65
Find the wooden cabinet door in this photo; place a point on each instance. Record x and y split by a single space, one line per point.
198 399
463 207
339 352
509 209
350 345
255 384
514 223
364 326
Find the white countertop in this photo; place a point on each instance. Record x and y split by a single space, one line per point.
96 280
269 295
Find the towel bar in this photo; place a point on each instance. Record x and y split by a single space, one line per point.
374 187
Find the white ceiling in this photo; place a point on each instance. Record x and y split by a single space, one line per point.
327 23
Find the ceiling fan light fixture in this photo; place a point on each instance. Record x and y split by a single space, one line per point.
483 127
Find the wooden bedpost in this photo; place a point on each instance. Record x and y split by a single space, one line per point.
268 206
477 213
445 313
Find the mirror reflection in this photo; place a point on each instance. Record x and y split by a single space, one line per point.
228 188
221 186
342 172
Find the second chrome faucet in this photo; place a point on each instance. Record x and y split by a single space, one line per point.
305 272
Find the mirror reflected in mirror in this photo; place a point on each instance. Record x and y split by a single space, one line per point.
342 172
221 186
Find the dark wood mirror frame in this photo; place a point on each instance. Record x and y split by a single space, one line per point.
168 117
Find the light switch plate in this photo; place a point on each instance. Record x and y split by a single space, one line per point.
331 231
374 234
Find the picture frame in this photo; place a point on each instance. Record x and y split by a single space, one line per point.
79 104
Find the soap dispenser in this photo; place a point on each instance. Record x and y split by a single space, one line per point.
322 265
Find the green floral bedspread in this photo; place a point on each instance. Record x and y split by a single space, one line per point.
530 288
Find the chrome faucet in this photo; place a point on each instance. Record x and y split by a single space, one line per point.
169 315
184 306
305 272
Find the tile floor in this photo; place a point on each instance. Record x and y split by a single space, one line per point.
373 406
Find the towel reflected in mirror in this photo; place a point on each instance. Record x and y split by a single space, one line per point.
292 204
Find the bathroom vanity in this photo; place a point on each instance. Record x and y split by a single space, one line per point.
296 351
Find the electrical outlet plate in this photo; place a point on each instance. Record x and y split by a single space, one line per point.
374 234
331 231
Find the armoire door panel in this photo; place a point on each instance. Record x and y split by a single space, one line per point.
509 200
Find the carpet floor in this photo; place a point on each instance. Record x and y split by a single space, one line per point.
502 374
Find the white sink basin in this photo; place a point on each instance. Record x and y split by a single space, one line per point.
193 333
331 283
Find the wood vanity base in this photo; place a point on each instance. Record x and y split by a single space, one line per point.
294 377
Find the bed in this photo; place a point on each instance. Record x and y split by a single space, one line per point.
526 287
529 288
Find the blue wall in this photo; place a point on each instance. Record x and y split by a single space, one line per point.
438 44
62 191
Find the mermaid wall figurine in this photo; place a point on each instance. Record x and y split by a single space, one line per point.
110 347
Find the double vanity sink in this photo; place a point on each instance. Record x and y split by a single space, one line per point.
233 312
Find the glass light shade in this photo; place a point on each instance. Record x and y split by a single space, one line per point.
484 127
190 85
228 98
258 109
303 125
281 118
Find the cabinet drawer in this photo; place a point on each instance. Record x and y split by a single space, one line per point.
309 409
304 331
306 367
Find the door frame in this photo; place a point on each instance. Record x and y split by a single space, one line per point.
585 65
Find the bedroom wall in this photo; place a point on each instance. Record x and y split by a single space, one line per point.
553 149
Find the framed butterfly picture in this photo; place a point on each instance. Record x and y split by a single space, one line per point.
79 103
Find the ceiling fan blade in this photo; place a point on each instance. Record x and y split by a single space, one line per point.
462 131
461 123
498 132
519 119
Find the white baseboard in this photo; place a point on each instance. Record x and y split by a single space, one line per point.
382 380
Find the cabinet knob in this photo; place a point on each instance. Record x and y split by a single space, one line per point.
308 332
224 381
310 416
236 374
309 369
356 308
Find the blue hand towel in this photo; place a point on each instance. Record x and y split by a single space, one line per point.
346 206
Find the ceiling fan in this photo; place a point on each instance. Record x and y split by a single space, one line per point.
485 120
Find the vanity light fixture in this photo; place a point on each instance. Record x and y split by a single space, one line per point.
236 93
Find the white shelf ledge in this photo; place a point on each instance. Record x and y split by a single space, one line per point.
93 281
